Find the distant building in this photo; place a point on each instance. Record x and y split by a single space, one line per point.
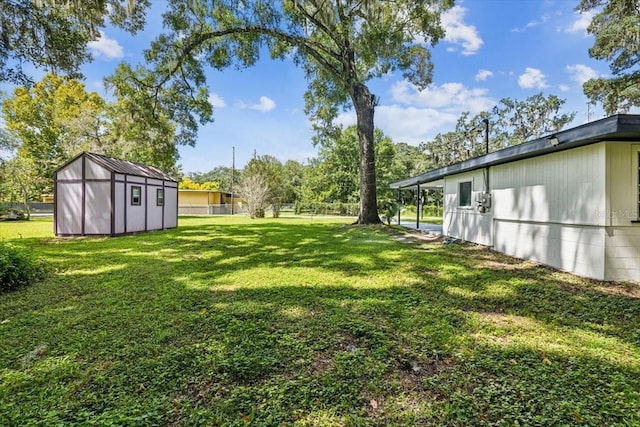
570 200
99 195
208 202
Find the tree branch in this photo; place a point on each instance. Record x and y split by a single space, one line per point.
313 49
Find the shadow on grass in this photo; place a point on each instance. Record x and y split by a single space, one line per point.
280 322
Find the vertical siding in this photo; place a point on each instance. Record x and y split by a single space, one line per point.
550 209
622 178
154 212
577 249
566 187
97 218
68 208
171 205
73 171
135 216
120 206
622 251
466 223
95 171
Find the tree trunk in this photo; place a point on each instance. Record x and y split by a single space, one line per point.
364 103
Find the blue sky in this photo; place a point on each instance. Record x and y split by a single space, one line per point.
493 49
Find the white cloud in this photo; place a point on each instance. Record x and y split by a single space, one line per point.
483 75
106 47
413 125
564 88
216 101
449 96
406 124
264 105
532 24
458 32
581 23
532 78
418 115
581 73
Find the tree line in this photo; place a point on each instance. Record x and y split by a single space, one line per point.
332 177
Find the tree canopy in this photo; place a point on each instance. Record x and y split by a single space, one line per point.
616 27
53 35
511 122
58 118
52 121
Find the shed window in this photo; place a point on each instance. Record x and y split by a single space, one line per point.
464 194
159 197
136 195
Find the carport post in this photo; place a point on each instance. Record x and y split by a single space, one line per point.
418 208
399 203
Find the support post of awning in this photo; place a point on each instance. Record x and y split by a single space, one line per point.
399 204
418 208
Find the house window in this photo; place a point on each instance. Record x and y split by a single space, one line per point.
464 194
159 197
136 195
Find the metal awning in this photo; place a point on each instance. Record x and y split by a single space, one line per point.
618 128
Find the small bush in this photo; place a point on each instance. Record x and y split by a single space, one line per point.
17 268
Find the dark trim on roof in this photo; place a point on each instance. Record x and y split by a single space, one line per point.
124 167
618 128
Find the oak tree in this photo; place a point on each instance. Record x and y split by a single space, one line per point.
53 35
340 44
616 27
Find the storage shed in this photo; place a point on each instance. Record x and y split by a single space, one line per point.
570 200
99 195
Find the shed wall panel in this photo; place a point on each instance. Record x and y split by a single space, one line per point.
171 207
97 219
69 208
154 212
119 208
137 179
135 214
95 171
73 171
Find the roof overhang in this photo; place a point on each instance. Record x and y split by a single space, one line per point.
618 128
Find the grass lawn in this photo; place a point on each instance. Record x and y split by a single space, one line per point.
309 322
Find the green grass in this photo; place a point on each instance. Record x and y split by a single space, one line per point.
309 322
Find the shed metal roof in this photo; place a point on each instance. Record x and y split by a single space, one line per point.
618 128
125 167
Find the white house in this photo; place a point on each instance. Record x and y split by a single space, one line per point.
570 200
99 195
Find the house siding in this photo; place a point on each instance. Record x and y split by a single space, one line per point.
466 223
622 236
622 254
544 209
